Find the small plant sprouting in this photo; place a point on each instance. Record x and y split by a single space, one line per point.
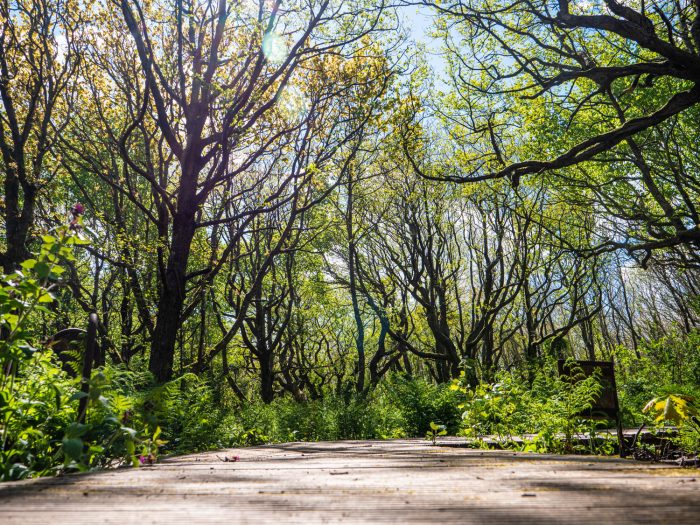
435 431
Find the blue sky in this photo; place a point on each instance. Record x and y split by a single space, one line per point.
419 22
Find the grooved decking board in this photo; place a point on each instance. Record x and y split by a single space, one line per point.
398 481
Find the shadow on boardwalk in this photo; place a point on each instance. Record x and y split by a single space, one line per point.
398 481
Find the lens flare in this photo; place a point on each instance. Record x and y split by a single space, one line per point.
274 48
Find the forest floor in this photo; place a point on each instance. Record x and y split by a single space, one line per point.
397 481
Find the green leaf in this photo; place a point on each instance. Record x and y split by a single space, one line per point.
78 395
28 264
57 396
73 448
11 320
674 408
42 269
76 430
80 241
46 297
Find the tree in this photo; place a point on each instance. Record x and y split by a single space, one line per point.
41 49
588 85
229 90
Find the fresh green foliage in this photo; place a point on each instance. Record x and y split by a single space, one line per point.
35 409
434 432
34 392
674 408
400 407
548 414
420 403
40 428
681 411
665 367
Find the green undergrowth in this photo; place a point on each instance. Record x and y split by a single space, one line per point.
399 407
549 407
548 413
130 420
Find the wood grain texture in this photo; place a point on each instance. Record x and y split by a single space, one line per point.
397 481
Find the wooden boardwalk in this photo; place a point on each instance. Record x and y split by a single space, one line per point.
398 481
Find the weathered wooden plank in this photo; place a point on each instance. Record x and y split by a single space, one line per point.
399 481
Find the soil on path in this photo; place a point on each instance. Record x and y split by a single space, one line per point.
397 481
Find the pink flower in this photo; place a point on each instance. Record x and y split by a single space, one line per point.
78 209
147 460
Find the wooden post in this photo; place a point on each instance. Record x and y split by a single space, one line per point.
621 436
618 415
88 359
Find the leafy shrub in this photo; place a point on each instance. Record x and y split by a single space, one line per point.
551 409
35 411
400 407
41 431
420 403
330 418
35 394
668 365
435 432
